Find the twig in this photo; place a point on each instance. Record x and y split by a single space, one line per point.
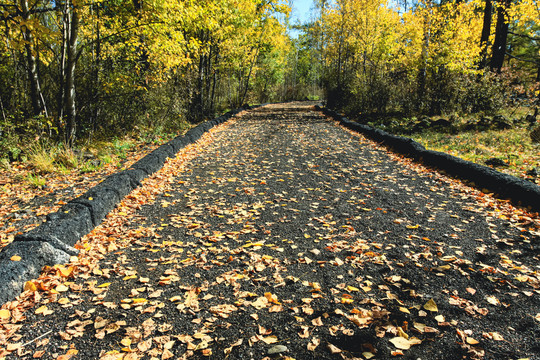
39 337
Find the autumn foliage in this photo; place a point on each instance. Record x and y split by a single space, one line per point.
76 69
428 56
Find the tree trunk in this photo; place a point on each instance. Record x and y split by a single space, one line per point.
422 72
38 102
70 109
484 38
501 34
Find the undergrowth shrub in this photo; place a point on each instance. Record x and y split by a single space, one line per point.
442 91
42 157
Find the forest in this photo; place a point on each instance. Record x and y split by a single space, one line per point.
79 71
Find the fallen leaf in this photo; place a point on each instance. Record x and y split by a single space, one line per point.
333 349
44 310
439 318
495 336
63 301
400 343
271 298
270 339
100 322
5 314
312 345
61 288
38 354
30 286
15 258
228 350
431 306
493 300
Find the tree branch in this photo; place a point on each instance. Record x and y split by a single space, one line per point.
537 62
525 36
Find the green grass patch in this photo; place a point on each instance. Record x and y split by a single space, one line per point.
35 180
514 146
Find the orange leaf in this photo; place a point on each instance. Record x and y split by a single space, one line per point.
272 298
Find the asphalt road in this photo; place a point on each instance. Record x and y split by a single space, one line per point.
281 234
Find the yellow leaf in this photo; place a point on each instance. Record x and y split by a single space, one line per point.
64 271
431 306
44 310
139 301
30 286
404 309
413 226
352 288
15 258
471 341
63 301
402 333
104 285
5 314
346 300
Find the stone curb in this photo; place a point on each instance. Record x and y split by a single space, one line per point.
53 241
520 192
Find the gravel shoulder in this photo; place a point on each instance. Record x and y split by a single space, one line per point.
281 234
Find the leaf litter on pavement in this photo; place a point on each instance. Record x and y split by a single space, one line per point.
281 235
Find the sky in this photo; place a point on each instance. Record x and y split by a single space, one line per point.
301 11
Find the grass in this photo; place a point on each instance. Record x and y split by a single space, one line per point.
514 146
66 157
4 164
42 158
35 180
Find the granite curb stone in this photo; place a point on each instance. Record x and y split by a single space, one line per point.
519 191
53 241
34 255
